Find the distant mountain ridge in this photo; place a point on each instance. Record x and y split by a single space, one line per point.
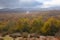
28 9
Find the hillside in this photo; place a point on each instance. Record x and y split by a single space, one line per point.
41 22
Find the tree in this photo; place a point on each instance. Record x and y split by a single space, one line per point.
51 26
23 25
36 25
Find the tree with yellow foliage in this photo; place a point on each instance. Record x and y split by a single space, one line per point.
51 26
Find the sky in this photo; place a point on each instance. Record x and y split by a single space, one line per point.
29 3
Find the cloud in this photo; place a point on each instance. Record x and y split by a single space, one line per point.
54 2
19 3
44 3
51 3
28 3
9 3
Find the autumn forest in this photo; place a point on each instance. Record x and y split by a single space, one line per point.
43 23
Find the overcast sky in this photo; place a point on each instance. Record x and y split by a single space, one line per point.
29 3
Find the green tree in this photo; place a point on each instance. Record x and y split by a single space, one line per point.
36 25
51 26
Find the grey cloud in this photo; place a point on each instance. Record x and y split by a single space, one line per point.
9 3
17 4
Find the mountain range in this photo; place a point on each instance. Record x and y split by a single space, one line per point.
28 9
